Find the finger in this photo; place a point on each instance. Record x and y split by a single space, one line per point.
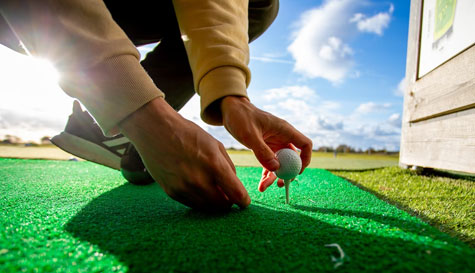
267 179
204 188
280 183
305 145
292 146
264 154
232 187
216 199
264 174
226 156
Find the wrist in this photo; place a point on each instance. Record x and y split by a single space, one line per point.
229 102
157 111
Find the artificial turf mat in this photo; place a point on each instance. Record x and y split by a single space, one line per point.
81 217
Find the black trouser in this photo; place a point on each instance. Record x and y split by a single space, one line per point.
167 64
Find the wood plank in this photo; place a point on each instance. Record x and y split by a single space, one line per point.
413 43
447 89
438 129
446 142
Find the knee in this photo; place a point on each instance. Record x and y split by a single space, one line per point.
261 15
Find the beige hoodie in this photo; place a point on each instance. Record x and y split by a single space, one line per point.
101 67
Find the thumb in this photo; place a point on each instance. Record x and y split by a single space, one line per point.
265 155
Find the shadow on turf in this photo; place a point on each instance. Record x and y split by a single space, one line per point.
149 232
395 223
443 227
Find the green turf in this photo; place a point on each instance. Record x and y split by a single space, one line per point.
81 217
444 200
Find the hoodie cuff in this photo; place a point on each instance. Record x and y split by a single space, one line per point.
217 84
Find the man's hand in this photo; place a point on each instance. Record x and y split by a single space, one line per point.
189 164
268 177
263 133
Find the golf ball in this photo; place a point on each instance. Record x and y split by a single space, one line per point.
290 164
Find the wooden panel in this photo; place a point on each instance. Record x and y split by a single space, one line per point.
447 89
438 129
446 142
413 43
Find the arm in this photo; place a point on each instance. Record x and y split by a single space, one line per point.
219 56
215 34
99 65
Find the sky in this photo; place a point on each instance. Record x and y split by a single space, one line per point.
334 69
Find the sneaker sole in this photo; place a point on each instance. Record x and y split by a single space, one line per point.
86 150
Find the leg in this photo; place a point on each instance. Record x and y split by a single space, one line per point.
261 15
168 66
168 63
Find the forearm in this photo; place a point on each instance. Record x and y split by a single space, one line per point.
216 39
98 64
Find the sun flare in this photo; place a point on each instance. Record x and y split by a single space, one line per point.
29 89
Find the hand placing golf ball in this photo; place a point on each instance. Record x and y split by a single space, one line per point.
290 166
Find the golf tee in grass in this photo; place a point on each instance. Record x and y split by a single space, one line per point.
287 194
81 217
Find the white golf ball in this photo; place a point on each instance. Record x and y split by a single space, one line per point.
290 164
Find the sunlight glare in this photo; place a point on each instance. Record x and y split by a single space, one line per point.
32 104
44 71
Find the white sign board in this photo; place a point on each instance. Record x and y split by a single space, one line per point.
448 27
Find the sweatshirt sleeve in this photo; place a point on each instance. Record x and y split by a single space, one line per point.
97 62
215 34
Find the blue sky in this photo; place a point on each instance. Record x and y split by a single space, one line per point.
334 69
350 55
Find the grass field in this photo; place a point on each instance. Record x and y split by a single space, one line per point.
445 200
327 160
65 216
38 152
62 216
240 158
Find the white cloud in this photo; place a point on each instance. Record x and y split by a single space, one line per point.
324 123
395 120
374 24
330 105
320 120
143 50
369 107
319 46
401 88
271 60
289 92
334 49
191 111
29 127
299 105
320 43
